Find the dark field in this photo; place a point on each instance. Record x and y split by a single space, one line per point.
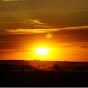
43 74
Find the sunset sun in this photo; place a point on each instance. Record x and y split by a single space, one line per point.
42 51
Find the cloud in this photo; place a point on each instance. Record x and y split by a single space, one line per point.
31 31
8 51
11 0
14 50
24 50
75 28
38 23
85 46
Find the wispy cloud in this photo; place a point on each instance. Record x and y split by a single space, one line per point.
14 50
75 28
11 0
84 46
30 31
38 23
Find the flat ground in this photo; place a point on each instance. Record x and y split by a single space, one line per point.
44 79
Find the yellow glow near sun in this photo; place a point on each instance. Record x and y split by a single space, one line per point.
42 51
49 35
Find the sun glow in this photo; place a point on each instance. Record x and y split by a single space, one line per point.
42 51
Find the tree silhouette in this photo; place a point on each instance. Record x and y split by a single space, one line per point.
56 68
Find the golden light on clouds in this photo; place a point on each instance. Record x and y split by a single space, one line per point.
31 31
35 21
38 23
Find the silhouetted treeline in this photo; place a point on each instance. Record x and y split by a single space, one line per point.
56 68
7 67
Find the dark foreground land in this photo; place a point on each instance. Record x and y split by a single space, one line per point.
43 74
44 79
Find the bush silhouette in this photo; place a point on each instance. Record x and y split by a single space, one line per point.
56 68
25 67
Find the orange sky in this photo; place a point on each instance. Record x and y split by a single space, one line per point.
60 25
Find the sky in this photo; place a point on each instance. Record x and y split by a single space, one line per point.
25 24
